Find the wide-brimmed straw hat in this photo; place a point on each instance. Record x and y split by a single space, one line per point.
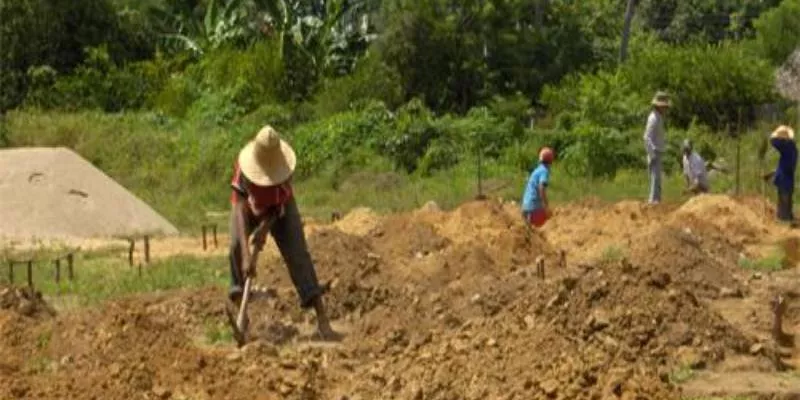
267 160
783 132
661 99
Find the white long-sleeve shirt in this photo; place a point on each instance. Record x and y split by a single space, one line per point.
655 134
694 167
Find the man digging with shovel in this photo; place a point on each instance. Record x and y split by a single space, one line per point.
262 203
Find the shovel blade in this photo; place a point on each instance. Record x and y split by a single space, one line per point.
238 335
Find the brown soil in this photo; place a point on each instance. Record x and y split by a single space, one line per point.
447 305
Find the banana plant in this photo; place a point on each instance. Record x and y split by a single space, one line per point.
190 28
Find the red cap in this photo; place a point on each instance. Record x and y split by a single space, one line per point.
546 155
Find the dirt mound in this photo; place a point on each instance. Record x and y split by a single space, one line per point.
24 301
400 237
53 193
688 258
359 221
436 305
613 348
730 216
587 230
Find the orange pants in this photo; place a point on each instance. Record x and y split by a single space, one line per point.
536 218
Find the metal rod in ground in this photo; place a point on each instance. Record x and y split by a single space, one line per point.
204 237
147 249
70 263
214 232
30 273
57 263
131 248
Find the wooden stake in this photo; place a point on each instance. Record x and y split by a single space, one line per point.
70 262
57 262
30 273
214 232
10 272
540 267
204 238
131 249
147 249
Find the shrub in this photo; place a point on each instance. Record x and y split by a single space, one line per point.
372 80
710 82
332 139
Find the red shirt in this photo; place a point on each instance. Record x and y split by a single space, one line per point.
260 198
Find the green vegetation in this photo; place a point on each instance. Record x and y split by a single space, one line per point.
392 103
682 375
612 254
104 275
774 261
217 332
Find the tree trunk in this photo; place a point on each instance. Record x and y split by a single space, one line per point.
626 31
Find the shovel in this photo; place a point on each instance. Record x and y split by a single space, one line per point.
239 324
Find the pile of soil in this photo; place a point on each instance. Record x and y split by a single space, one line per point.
53 193
24 301
737 219
359 221
435 305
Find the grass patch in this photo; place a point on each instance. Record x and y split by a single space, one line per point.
612 254
774 261
217 332
99 277
681 375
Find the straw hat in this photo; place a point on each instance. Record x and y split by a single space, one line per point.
661 99
267 160
783 132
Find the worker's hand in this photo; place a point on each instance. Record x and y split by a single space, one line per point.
768 175
249 265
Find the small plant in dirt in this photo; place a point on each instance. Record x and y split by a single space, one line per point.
613 254
217 332
774 261
43 340
681 375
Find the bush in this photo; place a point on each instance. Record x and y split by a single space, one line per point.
372 80
709 82
98 83
332 139
778 31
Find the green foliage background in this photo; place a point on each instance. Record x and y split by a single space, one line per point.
161 94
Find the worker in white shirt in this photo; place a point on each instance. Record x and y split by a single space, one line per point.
694 170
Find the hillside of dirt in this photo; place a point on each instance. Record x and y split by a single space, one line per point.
436 305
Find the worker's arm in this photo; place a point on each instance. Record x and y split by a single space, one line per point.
649 134
543 195
239 210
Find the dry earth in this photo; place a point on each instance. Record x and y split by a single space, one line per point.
650 303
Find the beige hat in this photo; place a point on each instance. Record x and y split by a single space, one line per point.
267 160
783 132
661 99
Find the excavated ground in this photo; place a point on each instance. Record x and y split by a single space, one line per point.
648 303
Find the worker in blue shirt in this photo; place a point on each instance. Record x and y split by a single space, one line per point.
535 207
782 140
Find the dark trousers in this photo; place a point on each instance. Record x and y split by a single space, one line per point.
288 234
785 212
